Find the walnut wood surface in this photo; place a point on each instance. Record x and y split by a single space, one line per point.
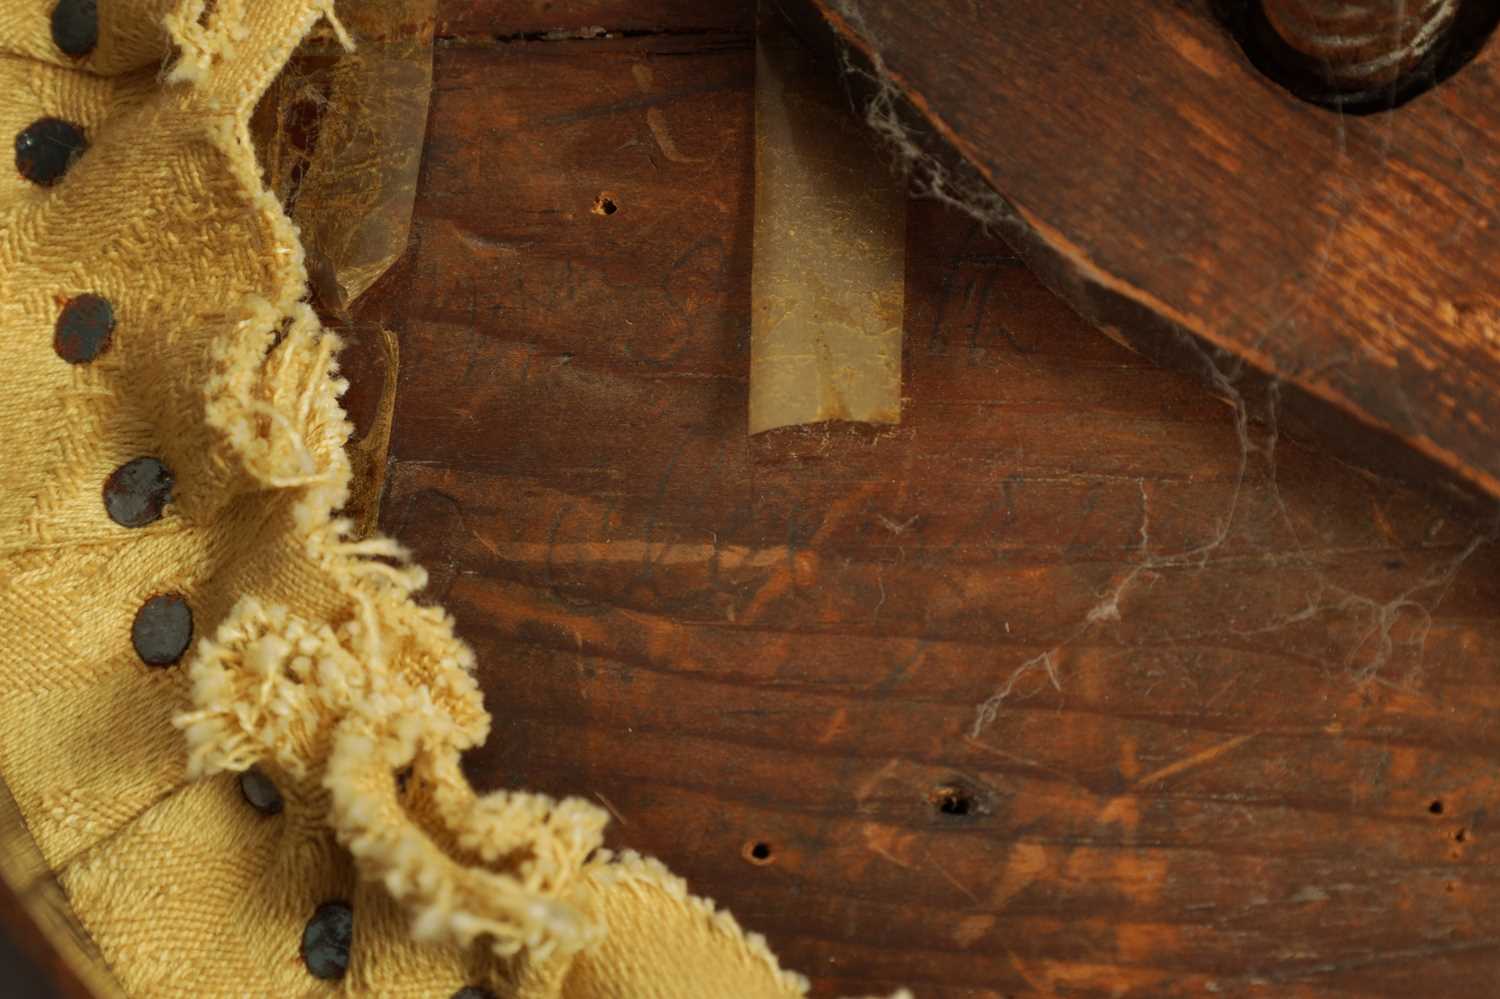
1151 168
1078 682
31 966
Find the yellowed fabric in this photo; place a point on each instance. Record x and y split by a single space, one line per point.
311 661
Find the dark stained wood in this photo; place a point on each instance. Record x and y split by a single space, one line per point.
521 20
31 966
1079 682
1149 168
1364 44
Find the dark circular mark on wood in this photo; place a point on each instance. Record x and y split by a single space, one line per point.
473 992
260 792
46 148
604 204
1359 56
758 853
162 630
137 491
1436 808
952 800
326 941
1356 46
75 26
84 328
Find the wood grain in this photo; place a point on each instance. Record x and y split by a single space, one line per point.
1361 46
532 20
1081 681
1150 168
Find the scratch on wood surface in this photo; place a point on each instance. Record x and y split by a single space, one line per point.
837 726
884 841
1196 760
800 565
628 552
609 806
657 121
1026 976
948 876
879 840
893 526
797 566
1361 961
1025 863
972 928
1024 761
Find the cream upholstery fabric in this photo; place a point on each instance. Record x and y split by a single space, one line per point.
309 661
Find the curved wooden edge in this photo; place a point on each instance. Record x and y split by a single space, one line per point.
1125 311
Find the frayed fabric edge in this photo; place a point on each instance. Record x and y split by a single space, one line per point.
274 406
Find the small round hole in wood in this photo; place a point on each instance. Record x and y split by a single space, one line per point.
759 852
953 799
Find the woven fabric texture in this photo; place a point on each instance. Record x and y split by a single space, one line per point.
309 661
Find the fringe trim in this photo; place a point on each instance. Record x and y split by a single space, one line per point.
350 700
382 684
